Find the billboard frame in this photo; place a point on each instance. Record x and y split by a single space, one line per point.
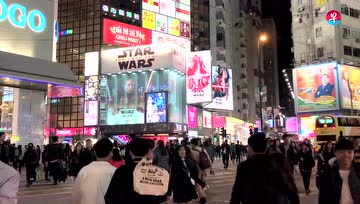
166 106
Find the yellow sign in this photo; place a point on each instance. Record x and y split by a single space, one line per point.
148 20
321 2
174 26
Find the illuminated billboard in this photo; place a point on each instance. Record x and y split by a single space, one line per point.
136 58
207 119
151 5
91 88
291 124
192 117
91 63
349 78
183 12
174 26
117 33
148 20
91 113
167 7
185 29
156 107
307 126
315 88
222 89
127 98
161 23
198 77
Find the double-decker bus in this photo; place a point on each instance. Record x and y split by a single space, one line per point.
331 127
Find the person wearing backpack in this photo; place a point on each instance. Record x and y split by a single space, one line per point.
204 164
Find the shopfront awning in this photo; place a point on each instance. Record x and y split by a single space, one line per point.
33 73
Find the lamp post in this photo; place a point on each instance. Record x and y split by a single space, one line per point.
263 38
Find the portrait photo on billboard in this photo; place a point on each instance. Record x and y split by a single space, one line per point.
349 78
156 107
315 87
222 89
91 88
125 102
198 77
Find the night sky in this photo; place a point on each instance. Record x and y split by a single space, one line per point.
279 10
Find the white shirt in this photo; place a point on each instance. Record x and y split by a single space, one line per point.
346 197
9 184
92 183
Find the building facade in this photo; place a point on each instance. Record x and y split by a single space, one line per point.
317 41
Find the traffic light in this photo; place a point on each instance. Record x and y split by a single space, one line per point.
222 132
251 130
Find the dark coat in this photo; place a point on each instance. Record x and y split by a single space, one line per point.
31 157
291 153
306 161
330 186
180 183
54 152
259 180
86 157
121 188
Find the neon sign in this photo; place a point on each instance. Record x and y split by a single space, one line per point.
333 17
19 16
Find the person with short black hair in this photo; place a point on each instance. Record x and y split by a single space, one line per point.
87 155
121 188
93 180
4 149
340 184
260 180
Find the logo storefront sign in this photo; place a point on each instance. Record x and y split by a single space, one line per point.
117 33
20 16
136 58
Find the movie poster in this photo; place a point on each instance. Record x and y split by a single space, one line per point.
156 107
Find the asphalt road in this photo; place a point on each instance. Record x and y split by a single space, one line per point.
219 192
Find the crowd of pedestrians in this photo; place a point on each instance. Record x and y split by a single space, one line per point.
104 173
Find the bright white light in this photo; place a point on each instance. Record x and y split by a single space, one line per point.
286 79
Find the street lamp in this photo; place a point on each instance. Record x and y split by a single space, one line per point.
263 38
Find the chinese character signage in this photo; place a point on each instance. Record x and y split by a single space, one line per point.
315 88
198 77
167 7
148 20
183 12
151 5
333 17
174 26
185 29
125 35
192 117
161 23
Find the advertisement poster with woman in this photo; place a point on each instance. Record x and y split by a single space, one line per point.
350 86
222 89
198 77
315 87
156 107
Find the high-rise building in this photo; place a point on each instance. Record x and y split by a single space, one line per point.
316 41
200 25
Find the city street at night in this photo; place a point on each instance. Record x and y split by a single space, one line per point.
220 189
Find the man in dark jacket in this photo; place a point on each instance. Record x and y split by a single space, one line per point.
4 149
340 183
87 155
55 156
259 180
288 152
121 188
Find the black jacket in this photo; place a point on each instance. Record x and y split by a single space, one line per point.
54 152
31 157
260 181
121 188
291 154
86 157
330 186
180 183
306 161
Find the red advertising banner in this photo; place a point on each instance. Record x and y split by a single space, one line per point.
117 33
184 29
218 122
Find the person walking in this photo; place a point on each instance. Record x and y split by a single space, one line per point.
182 184
45 163
259 180
20 161
210 149
9 184
93 180
87 155
117 160
204 164
17 155
4 149
31 161
288 152
55 158
225 151
38 151
340 183
67 155
121 189
306 163
274 148
75 160
161 156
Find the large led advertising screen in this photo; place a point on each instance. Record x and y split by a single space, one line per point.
125 35
156 107
315 87
123 97
349 78
198 77
222 89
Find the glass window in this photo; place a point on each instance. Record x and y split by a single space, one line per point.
318 32
66 124
320 52
74 123
356 52
347 50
